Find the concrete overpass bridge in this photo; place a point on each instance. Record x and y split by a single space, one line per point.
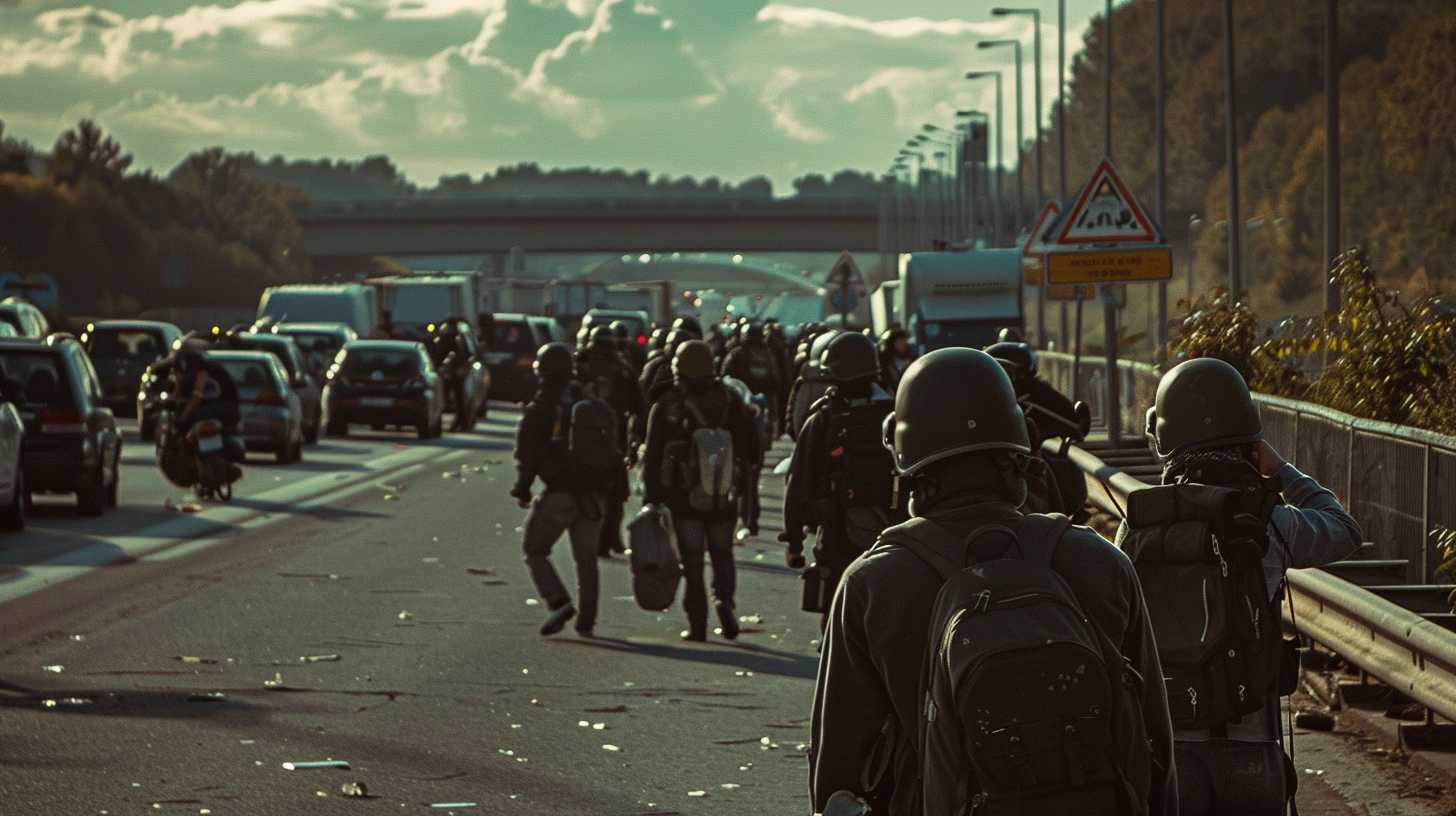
425 226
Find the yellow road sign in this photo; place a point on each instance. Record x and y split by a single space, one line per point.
1110 266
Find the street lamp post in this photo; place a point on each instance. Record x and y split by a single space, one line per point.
1020 115
1160 109
1231 148
1332 149
1000 137
1035 15
918 210
972 191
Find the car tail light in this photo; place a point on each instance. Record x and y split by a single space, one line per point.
62 421
271 398
641 339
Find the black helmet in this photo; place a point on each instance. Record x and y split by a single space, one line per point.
850 357
1202 404
658 339
752 333
675 339
820 343
690 324
1018 358
1010 334
601 337
553 361
692 362
953 401
619 331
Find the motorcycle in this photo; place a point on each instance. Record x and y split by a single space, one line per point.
204 458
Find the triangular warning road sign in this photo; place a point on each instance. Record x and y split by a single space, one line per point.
1106 212
1035 243
845 271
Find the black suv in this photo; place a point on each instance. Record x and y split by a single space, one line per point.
71 444
510 351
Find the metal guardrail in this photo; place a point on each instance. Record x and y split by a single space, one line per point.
1400 482
1396 646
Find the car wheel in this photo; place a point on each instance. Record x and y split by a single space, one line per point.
91 497
12 517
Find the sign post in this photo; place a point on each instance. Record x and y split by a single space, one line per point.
1033 262
1106 239
846 286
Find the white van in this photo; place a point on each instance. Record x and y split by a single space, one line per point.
353 304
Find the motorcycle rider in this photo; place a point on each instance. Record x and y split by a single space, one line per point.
841 483
958 433
699 404
1206 429
451 358
209 393
605 374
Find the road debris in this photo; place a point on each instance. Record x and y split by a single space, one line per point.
356 790
323 658
1314 720
206 661
405 615
207 697
750 619
454 805
610 748
480 570
698 794
276 684
318 765
54 668
65 701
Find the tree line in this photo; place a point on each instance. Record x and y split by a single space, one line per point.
116 241
1397 61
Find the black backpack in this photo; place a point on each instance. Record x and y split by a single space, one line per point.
1199 553
587 435
861 471
1028 707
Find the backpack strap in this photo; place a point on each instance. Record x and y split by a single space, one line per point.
697 413
928 541
1039 534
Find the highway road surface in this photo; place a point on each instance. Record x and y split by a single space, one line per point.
369 606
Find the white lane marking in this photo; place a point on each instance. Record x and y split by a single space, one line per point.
200 544
167 534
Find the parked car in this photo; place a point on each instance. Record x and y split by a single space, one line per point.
464 374
12 469
24 317
309 389
121 350
71 443
272 414
319 342
384 382
510 353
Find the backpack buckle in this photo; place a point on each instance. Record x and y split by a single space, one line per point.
983 601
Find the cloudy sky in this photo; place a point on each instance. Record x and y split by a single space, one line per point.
731 88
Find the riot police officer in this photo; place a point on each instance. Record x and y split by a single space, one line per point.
958 432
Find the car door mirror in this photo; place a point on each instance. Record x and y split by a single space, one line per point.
1083 415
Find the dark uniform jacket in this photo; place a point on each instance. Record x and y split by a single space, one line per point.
875 650
538 450
740 365
669 428
608 376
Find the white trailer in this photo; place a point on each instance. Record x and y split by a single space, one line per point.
960 298
885 306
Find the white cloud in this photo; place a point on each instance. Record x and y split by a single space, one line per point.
432 9
776 99
806 19
624 54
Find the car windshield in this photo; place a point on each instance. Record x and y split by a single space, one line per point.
251 374
392 363
317 347
38 376
512 335
131 344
